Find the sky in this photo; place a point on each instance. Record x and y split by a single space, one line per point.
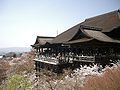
21 21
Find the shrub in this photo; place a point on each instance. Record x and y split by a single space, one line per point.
16 82
110 80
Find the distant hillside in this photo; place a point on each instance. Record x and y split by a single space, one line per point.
14 49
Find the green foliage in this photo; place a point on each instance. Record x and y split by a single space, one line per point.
16 82
1 87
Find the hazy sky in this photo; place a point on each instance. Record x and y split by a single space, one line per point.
22 20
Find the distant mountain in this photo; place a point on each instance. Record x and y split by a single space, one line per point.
14 49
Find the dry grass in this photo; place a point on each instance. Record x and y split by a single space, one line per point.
110 80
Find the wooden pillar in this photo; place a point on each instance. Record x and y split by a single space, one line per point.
39 50
36 49
42 50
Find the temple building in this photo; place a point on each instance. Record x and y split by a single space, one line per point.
96 40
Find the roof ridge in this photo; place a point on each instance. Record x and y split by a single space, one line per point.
101 15
90 27
44 37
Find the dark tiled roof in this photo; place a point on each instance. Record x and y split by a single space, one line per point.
98 35
107 22
42 40
79 40
104 23
67 35
94 35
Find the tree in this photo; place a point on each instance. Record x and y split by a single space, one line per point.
4 66
17 82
